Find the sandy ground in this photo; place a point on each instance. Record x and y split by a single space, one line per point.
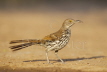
86 51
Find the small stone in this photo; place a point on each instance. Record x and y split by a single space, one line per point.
9 62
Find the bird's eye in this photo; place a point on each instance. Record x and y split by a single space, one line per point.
70 20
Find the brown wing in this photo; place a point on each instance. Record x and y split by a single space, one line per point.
53 36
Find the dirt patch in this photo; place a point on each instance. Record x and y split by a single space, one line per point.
38 69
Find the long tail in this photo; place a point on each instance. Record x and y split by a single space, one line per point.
21 46
27 43
23 41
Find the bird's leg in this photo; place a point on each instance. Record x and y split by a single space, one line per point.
47 56
56 53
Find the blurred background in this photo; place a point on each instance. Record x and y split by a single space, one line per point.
53 5
34 19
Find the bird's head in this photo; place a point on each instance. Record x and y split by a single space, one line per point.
69 22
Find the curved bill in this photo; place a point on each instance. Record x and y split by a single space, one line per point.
78 21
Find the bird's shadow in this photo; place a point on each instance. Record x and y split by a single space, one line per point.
69 59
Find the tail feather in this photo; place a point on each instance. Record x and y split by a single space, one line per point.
17 41
23 41
27 43
21 46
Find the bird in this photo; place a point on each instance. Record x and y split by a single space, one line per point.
52 42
